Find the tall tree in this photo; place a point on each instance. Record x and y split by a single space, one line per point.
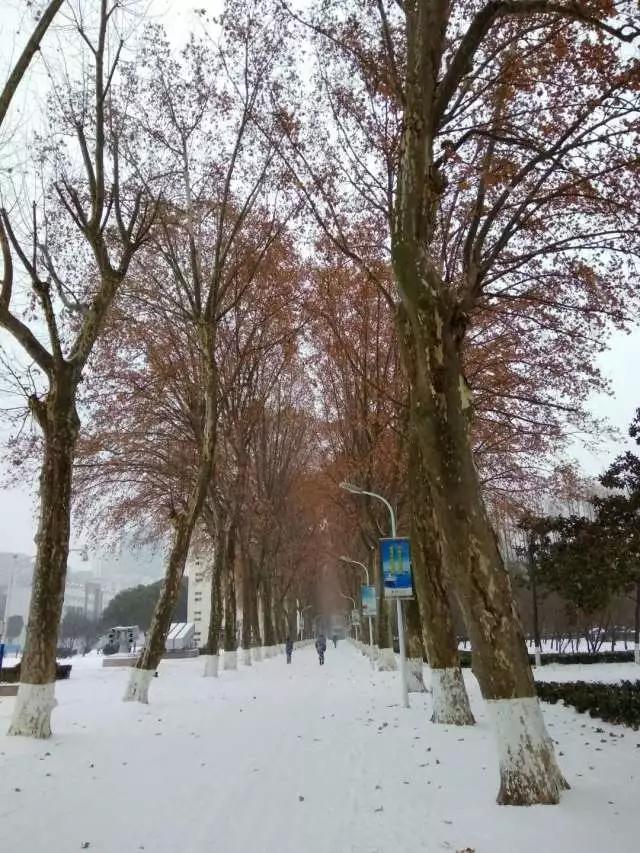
75 253
215 104
436 74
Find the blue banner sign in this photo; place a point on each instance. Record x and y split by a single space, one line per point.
395 557
369 601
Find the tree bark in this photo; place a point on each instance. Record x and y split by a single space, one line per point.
528 770
267 606
432 323
230 605
386 658
256 638
60 425
636 627
246 608
449 698
415 677
212 647
534 603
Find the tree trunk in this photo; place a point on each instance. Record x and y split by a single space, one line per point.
148 662
246 609
267 606
386 657
184 524
534 603
449 698
636 627
256 638
528 770
415 677
230 607
212 648
35 701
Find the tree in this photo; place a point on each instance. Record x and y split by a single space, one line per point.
15 624
581 561
75 254
75 626
620 514
436 73
135 606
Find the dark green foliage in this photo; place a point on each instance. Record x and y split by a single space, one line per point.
76 626
613 703
568 659
135 606
585 562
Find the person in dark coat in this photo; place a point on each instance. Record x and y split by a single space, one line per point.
288 647
321 647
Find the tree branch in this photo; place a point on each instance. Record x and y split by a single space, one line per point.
462 62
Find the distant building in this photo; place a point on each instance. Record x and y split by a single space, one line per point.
83 592
199 599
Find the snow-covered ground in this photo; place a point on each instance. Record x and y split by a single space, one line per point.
281 759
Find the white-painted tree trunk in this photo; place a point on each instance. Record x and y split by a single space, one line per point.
449 699
32 711
138 686
230 660
415 678
257 653
636 653
246 657
387 660
538 656
529 773
211 664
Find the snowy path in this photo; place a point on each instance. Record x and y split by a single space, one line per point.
278 759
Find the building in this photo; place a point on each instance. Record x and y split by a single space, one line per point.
199 599
83 592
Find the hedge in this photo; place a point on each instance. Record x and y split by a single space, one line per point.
11 674
553 657
613 703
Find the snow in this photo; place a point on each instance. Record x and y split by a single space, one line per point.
278 758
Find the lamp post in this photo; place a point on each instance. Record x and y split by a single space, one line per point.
356 490
366 574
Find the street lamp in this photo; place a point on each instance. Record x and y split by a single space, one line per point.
366 574
356 490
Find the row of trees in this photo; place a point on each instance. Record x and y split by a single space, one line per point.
254 284
592 561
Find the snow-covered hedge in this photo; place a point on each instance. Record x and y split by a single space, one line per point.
569 658
11 674
614 703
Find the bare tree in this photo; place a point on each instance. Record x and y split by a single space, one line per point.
76 254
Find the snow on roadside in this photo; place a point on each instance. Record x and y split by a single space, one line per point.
280 759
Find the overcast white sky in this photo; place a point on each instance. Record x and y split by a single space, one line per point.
17 525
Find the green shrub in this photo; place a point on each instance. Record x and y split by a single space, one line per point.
554 657
11 674
613 703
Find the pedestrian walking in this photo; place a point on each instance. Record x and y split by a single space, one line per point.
288 647
321 647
